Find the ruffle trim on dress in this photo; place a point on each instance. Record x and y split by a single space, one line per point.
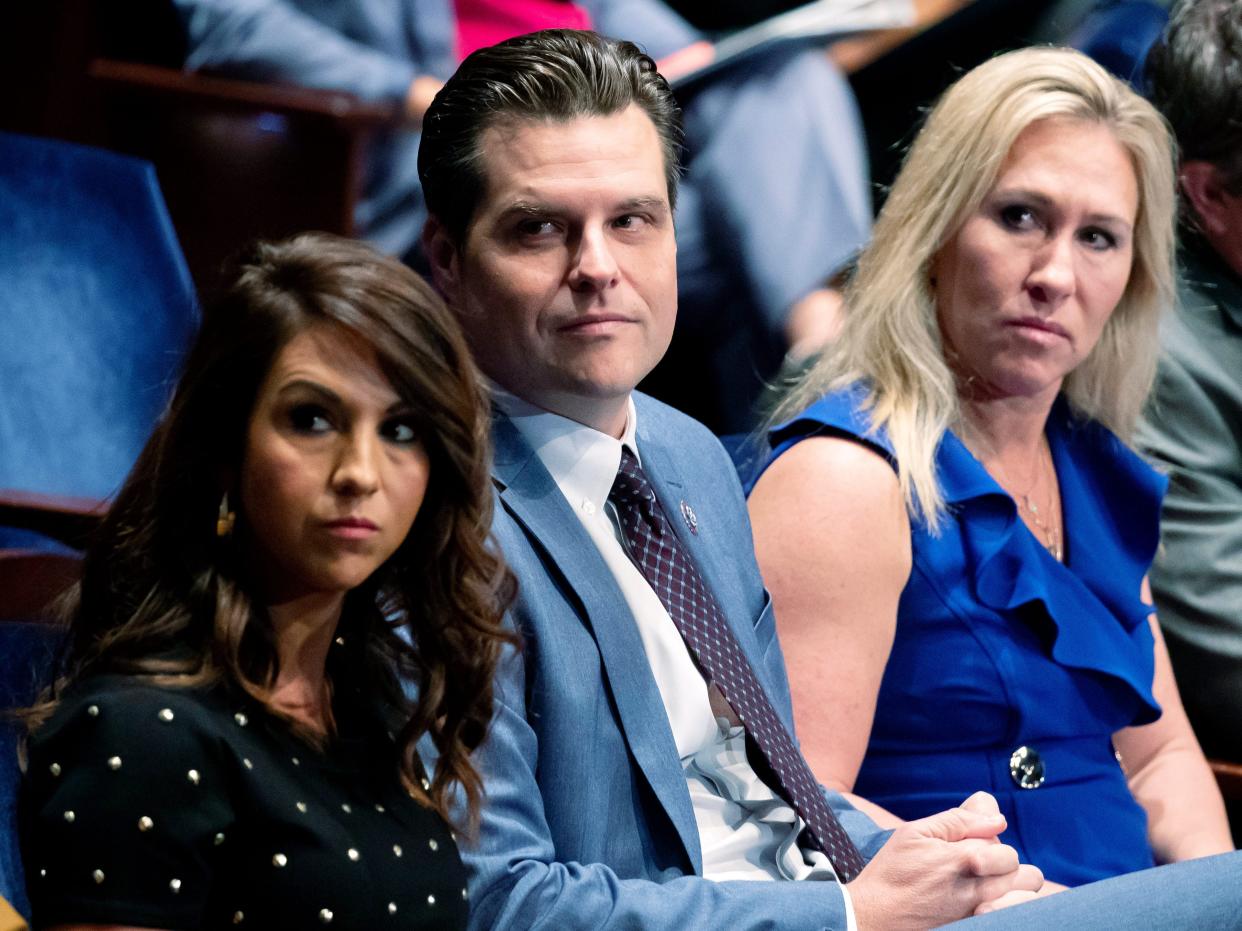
1112 499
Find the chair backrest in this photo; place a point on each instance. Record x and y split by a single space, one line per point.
96 309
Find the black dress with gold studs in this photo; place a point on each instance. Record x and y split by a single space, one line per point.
187 808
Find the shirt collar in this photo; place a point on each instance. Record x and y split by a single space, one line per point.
581 460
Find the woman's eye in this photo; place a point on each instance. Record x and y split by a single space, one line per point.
1018 217
400 431
310 418
1099 239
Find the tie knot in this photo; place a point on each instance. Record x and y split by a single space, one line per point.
630 488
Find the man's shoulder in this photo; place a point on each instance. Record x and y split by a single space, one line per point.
668 426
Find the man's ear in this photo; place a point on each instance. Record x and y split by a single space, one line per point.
441 252
1203 186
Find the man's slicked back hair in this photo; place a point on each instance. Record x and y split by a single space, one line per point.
554 75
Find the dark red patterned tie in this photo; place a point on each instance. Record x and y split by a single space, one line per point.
672 574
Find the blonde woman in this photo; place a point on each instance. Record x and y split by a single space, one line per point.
954 532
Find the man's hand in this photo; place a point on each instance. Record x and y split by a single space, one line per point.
940 869
984 804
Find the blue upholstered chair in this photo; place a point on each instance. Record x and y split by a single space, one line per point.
96 311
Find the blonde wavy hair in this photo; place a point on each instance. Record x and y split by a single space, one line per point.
891 339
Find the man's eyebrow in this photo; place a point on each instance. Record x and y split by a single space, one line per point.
528 208
539 209
653 204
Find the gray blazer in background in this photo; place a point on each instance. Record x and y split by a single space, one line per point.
1193 430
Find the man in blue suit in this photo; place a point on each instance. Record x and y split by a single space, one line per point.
635 778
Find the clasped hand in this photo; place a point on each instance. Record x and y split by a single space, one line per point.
943 868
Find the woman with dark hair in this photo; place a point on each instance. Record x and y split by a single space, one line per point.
301 547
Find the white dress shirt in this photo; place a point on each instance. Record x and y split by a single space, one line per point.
746 831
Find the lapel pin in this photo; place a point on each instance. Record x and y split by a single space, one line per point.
690 518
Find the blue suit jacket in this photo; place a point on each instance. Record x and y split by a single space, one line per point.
588 821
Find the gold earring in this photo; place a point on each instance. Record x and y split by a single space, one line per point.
225 518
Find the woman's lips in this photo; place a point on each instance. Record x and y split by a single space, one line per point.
351 528
1035 326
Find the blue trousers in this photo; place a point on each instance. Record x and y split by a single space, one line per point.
1198 894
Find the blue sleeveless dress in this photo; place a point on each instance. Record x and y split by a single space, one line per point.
1010 672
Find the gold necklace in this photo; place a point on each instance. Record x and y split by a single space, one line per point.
1049 534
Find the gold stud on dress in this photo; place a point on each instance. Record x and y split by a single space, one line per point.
279 859
114 763
145 824
325 915
166 715
352 854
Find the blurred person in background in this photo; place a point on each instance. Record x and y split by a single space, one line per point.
776 196
1193 425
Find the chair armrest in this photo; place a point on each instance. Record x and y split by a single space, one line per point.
64 518
227 93
1229 778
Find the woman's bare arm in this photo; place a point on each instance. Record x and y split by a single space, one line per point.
833 542
1169 775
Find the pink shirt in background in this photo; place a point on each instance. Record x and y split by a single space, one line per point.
485 22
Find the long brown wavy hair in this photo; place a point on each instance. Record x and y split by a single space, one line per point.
163 598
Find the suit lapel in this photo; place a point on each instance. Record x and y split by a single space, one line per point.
529 493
